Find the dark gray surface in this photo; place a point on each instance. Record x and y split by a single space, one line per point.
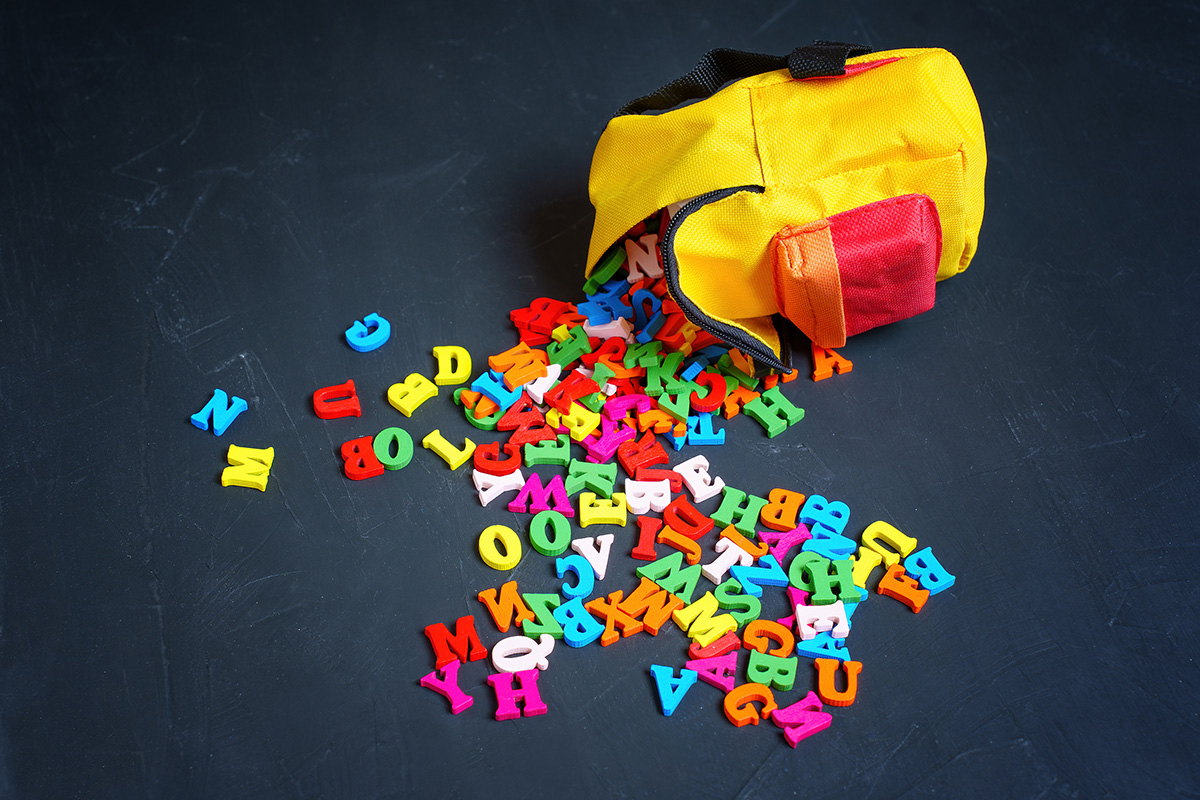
208 197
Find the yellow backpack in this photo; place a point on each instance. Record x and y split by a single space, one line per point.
831 188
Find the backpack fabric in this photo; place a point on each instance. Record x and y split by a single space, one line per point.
830 192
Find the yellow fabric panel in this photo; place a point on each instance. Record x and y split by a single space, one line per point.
724 253
763 329
644 163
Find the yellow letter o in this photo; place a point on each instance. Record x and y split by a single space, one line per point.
492 540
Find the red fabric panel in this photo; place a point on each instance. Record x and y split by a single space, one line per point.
854 69
887 255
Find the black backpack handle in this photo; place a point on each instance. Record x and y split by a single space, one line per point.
720 66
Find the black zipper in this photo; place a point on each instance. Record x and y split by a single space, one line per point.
765 360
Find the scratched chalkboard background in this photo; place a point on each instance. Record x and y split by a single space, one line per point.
206 195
